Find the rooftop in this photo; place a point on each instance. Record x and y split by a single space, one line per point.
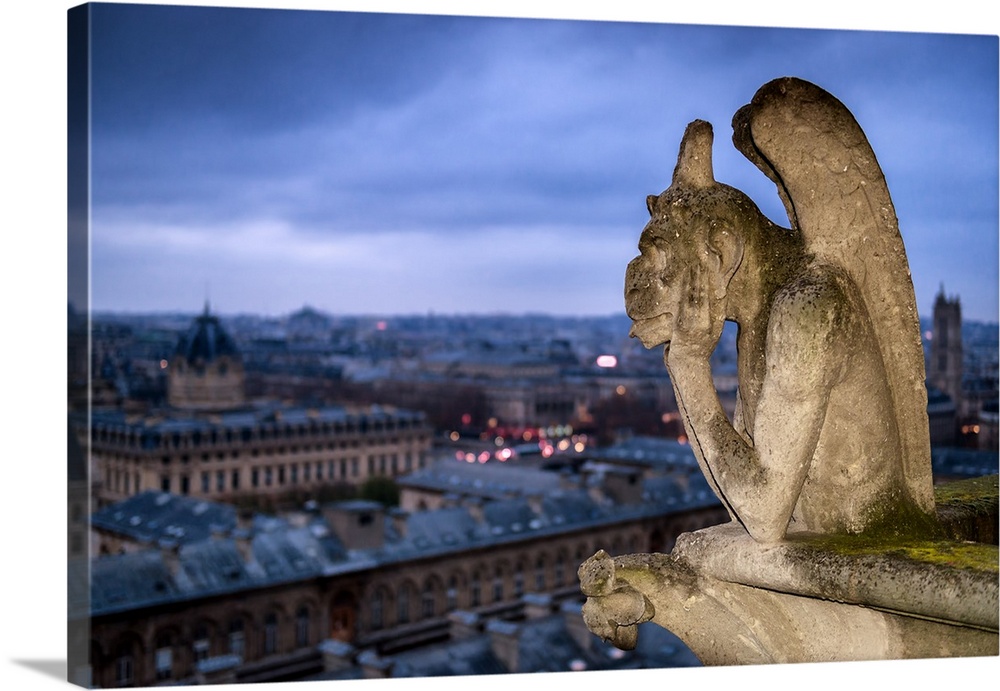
543 644
274 551
206 340
489 480
262 414
648 452
150 517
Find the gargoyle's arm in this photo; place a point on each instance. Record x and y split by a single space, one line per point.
805 358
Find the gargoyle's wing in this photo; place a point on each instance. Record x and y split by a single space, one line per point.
835 194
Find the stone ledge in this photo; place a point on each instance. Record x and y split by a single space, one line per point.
947 581
970 509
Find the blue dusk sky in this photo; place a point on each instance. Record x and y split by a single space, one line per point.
267 159
486 165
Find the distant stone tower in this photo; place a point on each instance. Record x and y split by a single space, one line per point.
945 371
206 370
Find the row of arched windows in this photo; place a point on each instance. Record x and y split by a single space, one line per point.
486 583
175 651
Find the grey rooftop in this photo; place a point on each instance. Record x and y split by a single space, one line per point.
488 480
152 516
276 552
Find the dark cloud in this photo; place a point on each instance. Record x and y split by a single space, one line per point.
320 130
256 68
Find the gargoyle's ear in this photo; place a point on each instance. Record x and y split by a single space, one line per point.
694 161
651 204
725 250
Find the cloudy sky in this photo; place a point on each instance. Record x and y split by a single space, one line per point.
927 104
359 163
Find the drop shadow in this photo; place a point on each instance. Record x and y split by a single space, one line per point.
50 668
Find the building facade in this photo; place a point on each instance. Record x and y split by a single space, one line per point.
259 603
267 449
211 442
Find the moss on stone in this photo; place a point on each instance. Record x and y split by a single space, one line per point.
904 538
975 493
948 553
963 555
970 509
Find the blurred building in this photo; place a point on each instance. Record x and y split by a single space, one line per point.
206 370
266 449
965 370
942 418
955 463
211 442
346 589
945 366
543 637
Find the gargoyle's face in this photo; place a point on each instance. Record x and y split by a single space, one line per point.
654 281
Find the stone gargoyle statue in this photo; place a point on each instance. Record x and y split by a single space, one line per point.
830 433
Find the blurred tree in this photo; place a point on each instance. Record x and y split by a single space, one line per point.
380 489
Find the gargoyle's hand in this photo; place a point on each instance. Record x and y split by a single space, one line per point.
613 609
699 322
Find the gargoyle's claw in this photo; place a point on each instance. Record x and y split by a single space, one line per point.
622 636
626 637
628 605
597 620
597 575
613 608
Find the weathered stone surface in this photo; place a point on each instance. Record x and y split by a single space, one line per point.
937 579
734 600
830 433
835 550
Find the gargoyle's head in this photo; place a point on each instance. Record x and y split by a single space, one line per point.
695 224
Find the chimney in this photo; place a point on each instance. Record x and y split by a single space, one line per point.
599 496
170 551
505 641
474 505
623 486
243 538
242 535
399 518
536 605
337 655
297 519
358 524
244 519
595 488
683 479
535 503
375 667
568 480
463 624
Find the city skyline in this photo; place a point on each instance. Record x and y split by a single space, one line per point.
265 160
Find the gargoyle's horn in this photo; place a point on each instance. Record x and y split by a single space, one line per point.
694 161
